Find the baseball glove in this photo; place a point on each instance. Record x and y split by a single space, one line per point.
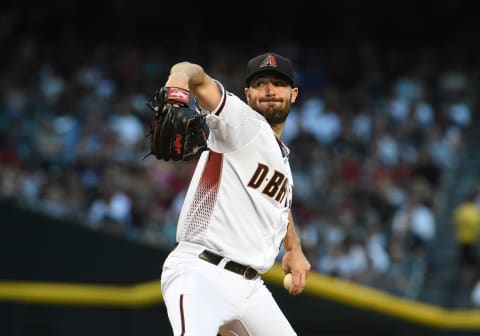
178 131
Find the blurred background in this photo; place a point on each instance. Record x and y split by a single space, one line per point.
385 135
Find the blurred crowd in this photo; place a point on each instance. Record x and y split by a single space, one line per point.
371 135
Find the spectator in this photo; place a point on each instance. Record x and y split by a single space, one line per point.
466 221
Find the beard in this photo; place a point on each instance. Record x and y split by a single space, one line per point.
274 112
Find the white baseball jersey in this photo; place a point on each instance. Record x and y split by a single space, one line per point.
240 195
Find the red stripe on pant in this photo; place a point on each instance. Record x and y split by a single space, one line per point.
182 315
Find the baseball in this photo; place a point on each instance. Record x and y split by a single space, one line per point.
287 281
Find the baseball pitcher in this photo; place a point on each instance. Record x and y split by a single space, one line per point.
237 210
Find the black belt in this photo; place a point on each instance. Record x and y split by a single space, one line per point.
247 272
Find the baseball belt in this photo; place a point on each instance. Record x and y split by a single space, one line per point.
246 271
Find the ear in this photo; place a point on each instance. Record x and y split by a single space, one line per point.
246 94
294 95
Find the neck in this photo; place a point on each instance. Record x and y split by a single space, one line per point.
278 129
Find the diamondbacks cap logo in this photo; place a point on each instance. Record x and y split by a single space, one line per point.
269 61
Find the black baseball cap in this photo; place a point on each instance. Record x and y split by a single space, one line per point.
269 62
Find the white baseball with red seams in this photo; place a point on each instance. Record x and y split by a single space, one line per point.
237 205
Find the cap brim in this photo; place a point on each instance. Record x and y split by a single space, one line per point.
263 72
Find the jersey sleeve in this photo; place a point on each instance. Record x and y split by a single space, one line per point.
232 124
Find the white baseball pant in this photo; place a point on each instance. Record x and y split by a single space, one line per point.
203 299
